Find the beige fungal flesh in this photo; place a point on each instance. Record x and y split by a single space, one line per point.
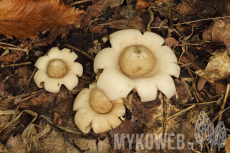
137 60
57 68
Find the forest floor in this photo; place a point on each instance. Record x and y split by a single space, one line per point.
34 120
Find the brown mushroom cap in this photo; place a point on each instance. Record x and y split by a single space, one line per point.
57 68
137 60
99 101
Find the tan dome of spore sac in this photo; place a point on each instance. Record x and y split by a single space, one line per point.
139 61
57 68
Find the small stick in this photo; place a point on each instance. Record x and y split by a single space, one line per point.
87 55
13 47
28 82
193 21
26 63
181 112
205 103
21 96
224 102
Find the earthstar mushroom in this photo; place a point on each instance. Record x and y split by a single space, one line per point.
139 61
57 68
87 117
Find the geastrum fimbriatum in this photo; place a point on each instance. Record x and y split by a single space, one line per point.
95 110
139 61
57 68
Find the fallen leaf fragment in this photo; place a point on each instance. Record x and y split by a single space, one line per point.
218 68
218 32
23 19
135 23
40 100
97 7
189 60
15 144
11 57
92 12
86 144
142 4
186 8
54 33
2 89
3 148
227 145
56 142
57 119
104 145
183 91
219 87
171 42
201 83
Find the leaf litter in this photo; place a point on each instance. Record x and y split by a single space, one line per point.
36 120
33 16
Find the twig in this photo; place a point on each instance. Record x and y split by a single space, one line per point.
6 79
202 20
7 112
87 55
26 63
3 39
224 102
205 103
78 2
109 23
21 96
184 48
151 18
5 53
220 113
193 21
181 112
2 43
28 82
12 47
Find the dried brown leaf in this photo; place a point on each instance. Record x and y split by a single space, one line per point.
218 32
11 57
104 145
54 33
186 8
40 100
201 83
57 119
97 7
182 90
219 87
135 23
227 145
142 4
55 142
190 60
92 12
217 68
171 42
23 19
86 144
15 144
2 89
